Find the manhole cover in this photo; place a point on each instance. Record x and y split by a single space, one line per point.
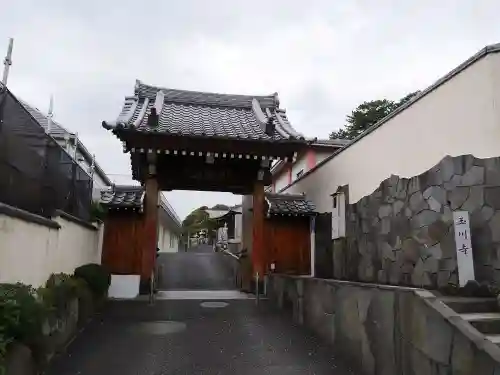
159 328
214 304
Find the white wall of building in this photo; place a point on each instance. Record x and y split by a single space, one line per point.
169 227
300 166
461 116
238 225
168 241
322 155
31 252
281 180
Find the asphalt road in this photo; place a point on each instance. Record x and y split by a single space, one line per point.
199 268
181 335
183 338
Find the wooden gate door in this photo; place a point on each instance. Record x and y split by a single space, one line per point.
323 267
289 244
121 252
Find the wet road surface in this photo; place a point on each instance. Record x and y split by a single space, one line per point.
207 330
197 269
186 338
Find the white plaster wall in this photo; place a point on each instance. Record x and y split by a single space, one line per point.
462 116
238 225
300 164
282 181
168 242
30 253
322 155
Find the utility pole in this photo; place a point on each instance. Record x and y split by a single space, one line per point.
7 62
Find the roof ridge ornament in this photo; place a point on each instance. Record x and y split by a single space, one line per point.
153 118
142 113
270 126
137 86
286 127
276 100
259 114
159 101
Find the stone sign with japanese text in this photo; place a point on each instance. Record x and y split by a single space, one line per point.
463 247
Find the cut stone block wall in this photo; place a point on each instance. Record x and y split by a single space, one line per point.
389 330
402 234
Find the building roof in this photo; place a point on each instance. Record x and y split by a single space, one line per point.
215 214
164 203
56 129
321 144
132 197
332 143
203 114
124 197
289 205
58 132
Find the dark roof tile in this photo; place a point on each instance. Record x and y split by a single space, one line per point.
287 204
192 113
123 197
56 129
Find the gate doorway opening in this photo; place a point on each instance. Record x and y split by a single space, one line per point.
187 140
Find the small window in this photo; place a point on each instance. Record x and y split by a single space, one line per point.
300 173
334 201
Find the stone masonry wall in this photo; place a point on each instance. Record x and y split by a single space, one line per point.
402 234
386 330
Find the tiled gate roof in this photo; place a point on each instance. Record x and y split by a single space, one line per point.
123 197
192 113
289 205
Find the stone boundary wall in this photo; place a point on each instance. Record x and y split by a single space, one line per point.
386 330
402 234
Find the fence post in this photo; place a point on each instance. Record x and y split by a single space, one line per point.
257 292
72 201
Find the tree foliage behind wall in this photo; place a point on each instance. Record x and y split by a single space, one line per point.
199 219
368 114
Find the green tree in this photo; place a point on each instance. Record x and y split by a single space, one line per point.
407 98
368 114
195 219
220 207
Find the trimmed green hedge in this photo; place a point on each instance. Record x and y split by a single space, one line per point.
96 276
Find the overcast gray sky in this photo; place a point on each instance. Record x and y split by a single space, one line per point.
323 57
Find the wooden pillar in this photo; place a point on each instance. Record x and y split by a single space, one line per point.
258 255
312 263
150 237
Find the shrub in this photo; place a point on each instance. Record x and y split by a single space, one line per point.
21 313
21 317
97 212
9 316
96 276
59 290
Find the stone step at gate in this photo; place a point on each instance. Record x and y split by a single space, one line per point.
482 313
